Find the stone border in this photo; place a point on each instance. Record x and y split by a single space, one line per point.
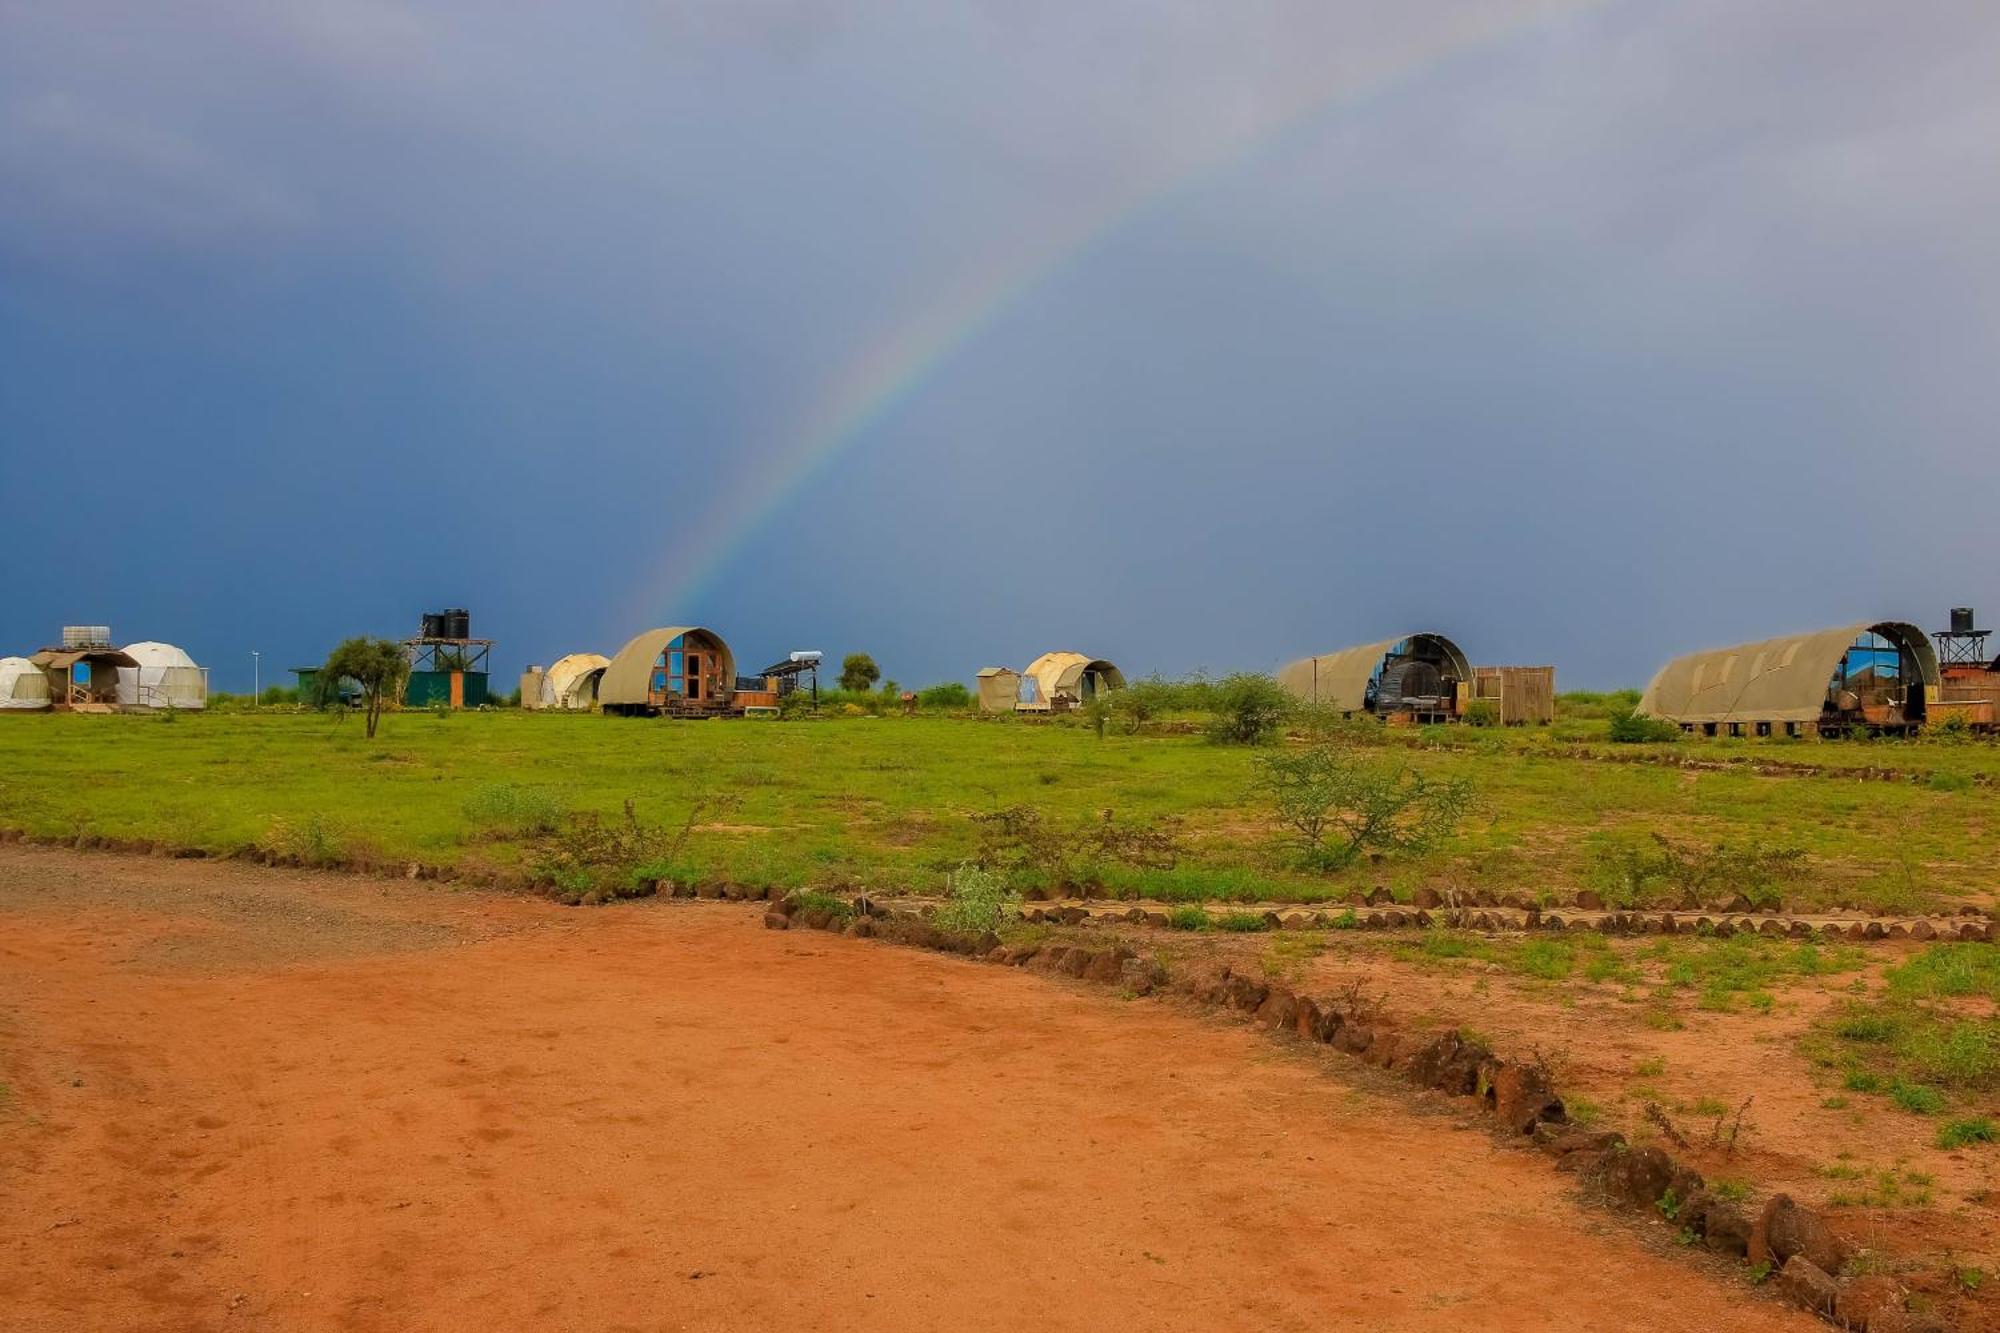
1791 1243
1388 915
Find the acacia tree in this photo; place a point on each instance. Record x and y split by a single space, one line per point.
1337 807
378 666
859 673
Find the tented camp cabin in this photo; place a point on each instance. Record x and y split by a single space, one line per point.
999 689
1420 678
1057 682
679 671
1876 677
165 677
570 685
23 687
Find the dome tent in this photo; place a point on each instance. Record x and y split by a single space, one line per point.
571 684
1059 681
165 677
22 685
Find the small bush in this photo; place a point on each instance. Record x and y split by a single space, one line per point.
1631 727
313 843
1481 713
950 695
976 901
1247 709
1336 808
1243 922
1188 918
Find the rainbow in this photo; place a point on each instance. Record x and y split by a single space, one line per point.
893 369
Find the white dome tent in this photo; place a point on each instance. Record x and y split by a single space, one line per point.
166 677
22 685
571 684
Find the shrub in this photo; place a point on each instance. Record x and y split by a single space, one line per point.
1631 727
1188 918
590 859
1245 922
951 694
1636 873
1024 845
1335 807
314 843
1247 709
1481 713
976 901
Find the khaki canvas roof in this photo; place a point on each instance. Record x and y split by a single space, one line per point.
568 672
1772 680
1340 679
1064 671
628 678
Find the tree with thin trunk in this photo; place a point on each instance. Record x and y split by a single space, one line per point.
378 666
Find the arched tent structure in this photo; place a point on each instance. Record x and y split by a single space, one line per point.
1055 681
681 669
1414 673
571 684
23 687
165 677
1875 675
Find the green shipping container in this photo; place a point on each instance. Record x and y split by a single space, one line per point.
429 687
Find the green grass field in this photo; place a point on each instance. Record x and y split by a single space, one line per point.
891 802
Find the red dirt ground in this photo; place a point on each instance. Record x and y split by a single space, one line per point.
251 1099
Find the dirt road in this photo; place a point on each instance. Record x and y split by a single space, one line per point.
248 1099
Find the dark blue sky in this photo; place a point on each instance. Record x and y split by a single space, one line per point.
1188 335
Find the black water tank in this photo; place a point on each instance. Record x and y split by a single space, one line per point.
433 626
458 623
1961 620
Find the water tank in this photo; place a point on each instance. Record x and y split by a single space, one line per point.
457 623
433 626
1961 620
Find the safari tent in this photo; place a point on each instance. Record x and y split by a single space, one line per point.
1055 682
681 671
571 684
1417 674
165 677
1873 676
999 689
23 687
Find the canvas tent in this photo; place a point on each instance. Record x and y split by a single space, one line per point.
571 684
1411 673
1055 681
165 677
681 669
22 685
999 689
1869 674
